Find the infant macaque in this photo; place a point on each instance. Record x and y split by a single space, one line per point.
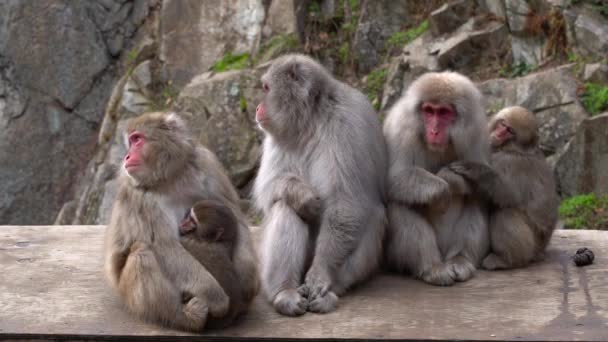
209 231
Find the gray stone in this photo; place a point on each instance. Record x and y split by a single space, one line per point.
469 46
136 94
377 22
280 18
596 73
450 16
194 34
582 168
591 33
517 12
496 7
223 110
56 74
527 49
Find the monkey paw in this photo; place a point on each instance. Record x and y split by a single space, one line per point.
196 312
493 262
324 304
463 270
310 208
316 284
441 275
290 303
218 302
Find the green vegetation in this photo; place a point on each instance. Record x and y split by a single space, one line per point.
344 53
231 62
277 46
373 86
517 70
243 103
595 98
585 212
401 38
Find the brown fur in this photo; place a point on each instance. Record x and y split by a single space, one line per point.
144 260
215 252
522 189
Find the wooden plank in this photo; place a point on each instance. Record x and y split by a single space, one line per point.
52 287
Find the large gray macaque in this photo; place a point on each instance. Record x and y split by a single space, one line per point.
521 187
438 226
164 173
320 186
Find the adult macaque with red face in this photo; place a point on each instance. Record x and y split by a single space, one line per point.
521 188
163 175
321 187
437 225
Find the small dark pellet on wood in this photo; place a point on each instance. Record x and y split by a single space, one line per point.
584 256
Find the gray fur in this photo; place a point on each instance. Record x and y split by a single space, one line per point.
320 186
437 225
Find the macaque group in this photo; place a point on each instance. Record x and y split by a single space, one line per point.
436 193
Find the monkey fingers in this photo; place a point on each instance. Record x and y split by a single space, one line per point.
324 304
318 283
439 274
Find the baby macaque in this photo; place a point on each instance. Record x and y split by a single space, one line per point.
209 231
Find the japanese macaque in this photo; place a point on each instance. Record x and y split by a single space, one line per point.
438 227
521 187
320 186
209 232
164 173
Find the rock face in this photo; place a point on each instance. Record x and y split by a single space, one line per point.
56 74
73 72
223 109
378 21
588 30
195 34
582 168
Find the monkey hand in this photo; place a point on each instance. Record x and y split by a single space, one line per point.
309 207
439 194
215 299
316 284
470 170
301 197
458 184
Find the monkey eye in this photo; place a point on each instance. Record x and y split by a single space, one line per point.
444 111
427 109
510 130
265 87
134 138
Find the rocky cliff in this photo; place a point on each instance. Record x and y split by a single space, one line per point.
72 72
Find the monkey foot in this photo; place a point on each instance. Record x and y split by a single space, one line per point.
493 262
324 304
196 313
290 303
441 275
463 269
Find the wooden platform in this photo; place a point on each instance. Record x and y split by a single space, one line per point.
51 287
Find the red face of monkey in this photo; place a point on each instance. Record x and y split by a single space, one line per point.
437 120
502 133
260 111
134 159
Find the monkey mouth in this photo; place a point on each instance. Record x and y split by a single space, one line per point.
131 167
